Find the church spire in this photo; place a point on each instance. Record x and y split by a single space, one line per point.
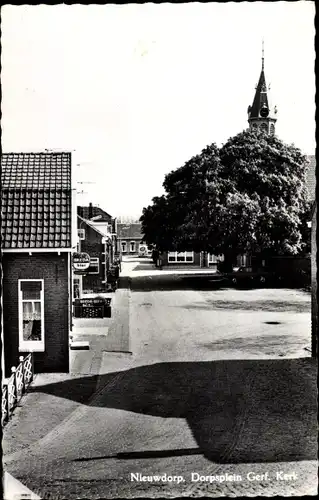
260 114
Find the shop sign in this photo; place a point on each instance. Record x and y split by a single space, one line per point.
81 261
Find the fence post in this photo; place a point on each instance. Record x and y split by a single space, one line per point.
21 359
32 365
7 402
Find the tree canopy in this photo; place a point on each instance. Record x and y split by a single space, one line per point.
247 196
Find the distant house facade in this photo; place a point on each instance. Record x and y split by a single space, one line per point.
36 235
129 238
181 259
189 259
98 240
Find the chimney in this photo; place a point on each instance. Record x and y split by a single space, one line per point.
90 211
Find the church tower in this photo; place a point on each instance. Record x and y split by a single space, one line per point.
261 116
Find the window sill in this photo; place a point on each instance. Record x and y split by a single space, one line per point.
32 347
181 263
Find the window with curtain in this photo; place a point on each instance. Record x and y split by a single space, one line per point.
31 315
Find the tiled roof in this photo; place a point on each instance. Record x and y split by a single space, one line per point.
36 170
36 200
132 230
311 177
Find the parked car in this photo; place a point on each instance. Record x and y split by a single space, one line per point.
205 281
245 275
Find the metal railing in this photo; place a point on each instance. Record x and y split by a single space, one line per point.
14 388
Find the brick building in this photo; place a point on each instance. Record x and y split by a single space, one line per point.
98 241
36 241
191 260
129 238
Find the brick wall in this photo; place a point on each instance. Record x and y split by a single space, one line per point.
54 270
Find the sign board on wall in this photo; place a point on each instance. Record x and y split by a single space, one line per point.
81 261
90 302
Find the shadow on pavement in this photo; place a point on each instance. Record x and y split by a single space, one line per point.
134 455
169 283
179 281
239 411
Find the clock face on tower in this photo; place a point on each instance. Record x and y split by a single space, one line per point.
264 112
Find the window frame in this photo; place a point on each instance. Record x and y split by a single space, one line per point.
96 261
134 246
175 261
125 244
30 345
83 233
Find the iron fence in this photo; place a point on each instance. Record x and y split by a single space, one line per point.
14 388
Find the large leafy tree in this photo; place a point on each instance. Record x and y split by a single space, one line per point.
268 195
247 196
159 223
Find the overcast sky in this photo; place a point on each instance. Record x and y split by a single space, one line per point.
136 90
